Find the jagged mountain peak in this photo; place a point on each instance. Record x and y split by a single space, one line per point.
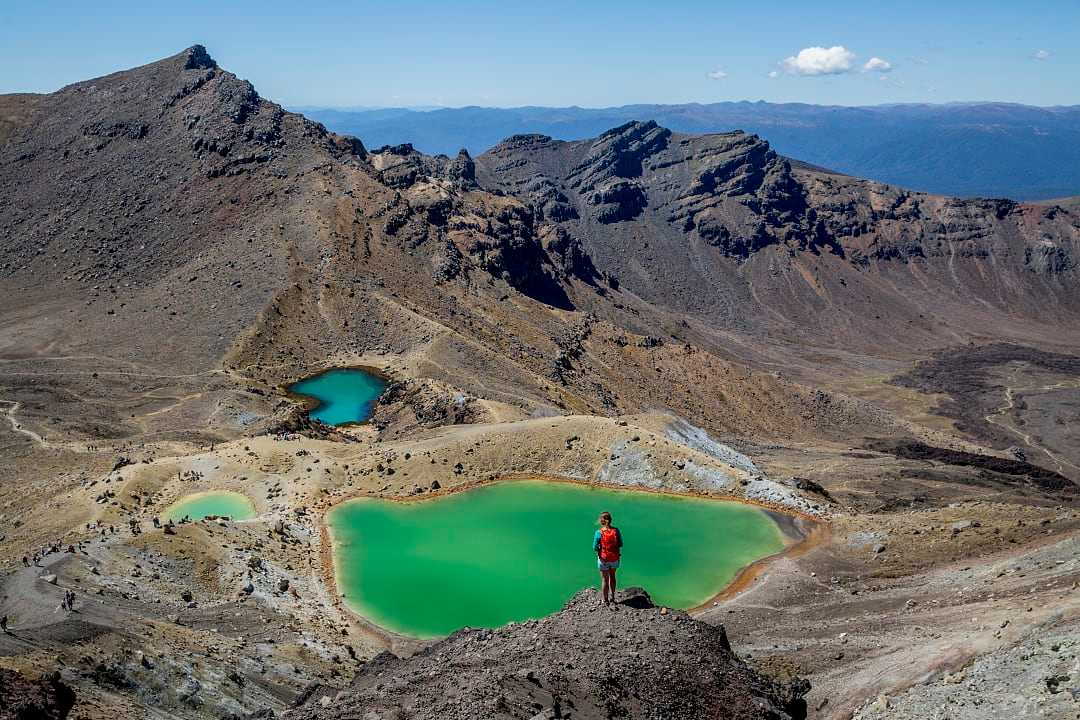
666 213
631 128
616 176
675 219
196 57
522 141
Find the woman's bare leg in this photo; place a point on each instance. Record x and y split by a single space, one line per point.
611 583
603 587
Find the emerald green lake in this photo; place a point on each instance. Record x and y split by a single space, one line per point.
219 503
519 550
345 395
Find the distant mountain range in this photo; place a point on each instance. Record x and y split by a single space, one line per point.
962 149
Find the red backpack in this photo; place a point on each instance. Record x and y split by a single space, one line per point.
610 543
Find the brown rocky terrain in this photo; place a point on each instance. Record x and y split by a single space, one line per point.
721 228
46 699
686 313
632 659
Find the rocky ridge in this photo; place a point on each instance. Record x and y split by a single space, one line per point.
723 228
586 662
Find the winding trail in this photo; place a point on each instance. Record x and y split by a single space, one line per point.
16 427
1010 403
33 608
84 447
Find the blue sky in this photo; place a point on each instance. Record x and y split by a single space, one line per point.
560 53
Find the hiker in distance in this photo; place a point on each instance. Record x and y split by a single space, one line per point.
607 544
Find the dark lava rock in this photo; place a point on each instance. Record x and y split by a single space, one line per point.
570 255
618 201
964 375
46 698
1002 469
110 675
587 662
1048 259
807 485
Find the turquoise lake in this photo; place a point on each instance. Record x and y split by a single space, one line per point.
342 396
213 503
519 550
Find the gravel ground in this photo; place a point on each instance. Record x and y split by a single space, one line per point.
1037 678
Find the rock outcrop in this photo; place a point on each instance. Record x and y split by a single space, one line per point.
46 698
586 662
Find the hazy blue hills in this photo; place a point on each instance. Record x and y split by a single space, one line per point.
984 149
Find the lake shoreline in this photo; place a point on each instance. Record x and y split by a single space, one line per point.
802 540
799 532
775 509
310 403
195 497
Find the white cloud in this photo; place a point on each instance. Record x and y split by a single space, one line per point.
1041 55
876 64
819 61
717 75
774 74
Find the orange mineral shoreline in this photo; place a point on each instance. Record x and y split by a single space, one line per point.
801 536
817 535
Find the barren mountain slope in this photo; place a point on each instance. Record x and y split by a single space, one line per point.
690 314
170 227
721 228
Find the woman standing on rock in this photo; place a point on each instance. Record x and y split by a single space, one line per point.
607 542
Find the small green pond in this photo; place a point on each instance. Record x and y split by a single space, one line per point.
214 502
342 396
519 550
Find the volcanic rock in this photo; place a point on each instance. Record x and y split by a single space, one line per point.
586 662
46 698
